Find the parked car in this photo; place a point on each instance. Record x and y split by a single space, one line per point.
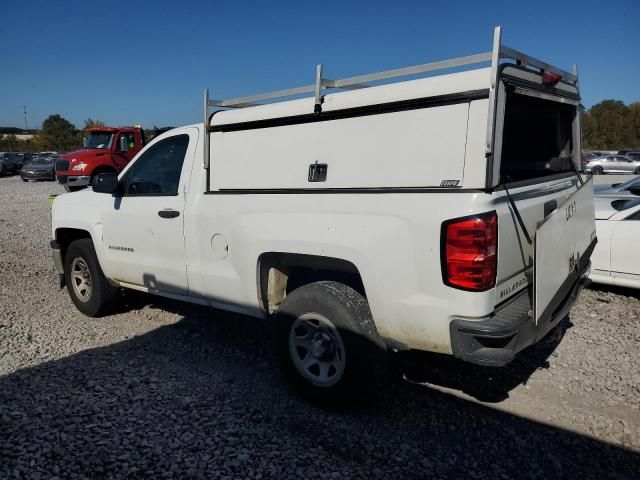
586 158
613 164
628 189
8 163
616 258
39 169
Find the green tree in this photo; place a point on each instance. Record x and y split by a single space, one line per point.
91 123
9 142
611 125
58 134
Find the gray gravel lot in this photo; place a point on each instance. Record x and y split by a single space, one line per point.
161 389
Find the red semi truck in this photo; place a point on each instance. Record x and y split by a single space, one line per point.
106 149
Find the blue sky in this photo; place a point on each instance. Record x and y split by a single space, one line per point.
148 62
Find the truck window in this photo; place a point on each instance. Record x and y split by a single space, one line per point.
536 139
157 171
130 138
101 140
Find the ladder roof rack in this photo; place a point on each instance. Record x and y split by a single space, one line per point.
362 81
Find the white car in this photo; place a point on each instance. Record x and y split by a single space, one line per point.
629 189
616 259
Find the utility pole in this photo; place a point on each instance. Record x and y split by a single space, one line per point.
24 108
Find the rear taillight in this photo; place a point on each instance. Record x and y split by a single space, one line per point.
469 252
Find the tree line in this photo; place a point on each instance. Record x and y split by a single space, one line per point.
608 125
57 134
611 125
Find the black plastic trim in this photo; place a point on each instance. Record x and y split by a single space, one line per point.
340 190
377 109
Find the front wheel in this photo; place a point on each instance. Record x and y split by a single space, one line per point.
637 171
25 180
327 343
87 286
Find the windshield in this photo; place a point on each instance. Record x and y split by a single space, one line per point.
99 140
536 139
40 162
627 184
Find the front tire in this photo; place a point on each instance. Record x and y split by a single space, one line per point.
88 288
327 344
637 172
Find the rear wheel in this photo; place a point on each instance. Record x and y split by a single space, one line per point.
25 180
597 171
327 343
87 286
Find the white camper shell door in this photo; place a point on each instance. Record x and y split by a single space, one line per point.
560 241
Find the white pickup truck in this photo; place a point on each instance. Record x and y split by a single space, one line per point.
442 214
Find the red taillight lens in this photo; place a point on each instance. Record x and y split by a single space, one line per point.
551 78
470 248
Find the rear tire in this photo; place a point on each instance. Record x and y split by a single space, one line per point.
327 344
597 171
25 180
87 286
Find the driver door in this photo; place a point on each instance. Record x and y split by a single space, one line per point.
125 149
143 233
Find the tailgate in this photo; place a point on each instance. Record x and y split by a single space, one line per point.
563 244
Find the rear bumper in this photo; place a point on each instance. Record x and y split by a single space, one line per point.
73 180
496 340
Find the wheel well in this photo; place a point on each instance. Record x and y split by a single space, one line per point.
281 273
64 237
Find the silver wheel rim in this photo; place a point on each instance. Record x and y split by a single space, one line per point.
81 279
317 350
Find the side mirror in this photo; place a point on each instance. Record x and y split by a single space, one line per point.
105 183
123 144
84 142
635 190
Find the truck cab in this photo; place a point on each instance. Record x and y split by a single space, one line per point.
106 150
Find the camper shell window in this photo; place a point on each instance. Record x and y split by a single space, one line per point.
537 137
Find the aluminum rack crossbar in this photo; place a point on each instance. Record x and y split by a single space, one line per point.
351 82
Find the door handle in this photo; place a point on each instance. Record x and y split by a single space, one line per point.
168 213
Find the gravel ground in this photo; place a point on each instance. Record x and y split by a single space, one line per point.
162 389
